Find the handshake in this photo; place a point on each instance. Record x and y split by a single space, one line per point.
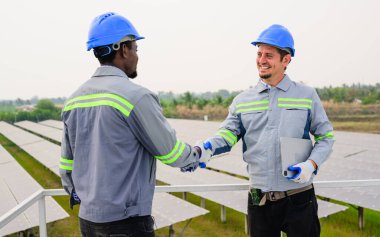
205 152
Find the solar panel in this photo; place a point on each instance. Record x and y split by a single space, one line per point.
168 210
15 186
52 123
49 132
18 136
43 151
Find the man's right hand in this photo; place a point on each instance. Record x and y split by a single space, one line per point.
206 152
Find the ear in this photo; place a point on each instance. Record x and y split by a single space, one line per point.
286 60
124 51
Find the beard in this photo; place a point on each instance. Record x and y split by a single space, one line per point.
265 76
132 75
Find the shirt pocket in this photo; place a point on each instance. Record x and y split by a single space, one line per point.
254 120
294 121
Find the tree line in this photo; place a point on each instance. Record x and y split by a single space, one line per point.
188 104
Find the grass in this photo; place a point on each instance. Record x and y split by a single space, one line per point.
340 224
362 126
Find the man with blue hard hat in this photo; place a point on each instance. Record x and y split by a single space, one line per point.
275 108
114 131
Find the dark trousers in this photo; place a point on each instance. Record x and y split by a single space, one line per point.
296 215
139 226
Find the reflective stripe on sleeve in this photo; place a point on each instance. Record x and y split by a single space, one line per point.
329 135
228 135
66 164
174 154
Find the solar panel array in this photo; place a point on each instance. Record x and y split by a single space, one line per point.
15 186
43 151
355 156
49 132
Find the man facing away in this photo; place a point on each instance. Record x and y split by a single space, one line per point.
276 107
114 131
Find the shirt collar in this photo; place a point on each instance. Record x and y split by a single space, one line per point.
107 70
283 85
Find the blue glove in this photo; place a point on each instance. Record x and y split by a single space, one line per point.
206 153
303 171
74 199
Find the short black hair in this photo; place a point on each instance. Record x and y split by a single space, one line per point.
108 56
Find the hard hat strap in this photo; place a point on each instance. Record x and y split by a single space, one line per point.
116 46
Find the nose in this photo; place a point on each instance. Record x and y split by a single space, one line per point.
261 59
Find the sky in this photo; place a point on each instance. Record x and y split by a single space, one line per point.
189 45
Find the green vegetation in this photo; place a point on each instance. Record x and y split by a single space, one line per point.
44 109
340 224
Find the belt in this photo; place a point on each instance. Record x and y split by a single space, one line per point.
277 195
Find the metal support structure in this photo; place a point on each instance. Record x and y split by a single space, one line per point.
171 231
361 217
203 202
246 225
223 213
42 216
184 196
40 195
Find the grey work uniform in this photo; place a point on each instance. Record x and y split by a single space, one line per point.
114 132
260 116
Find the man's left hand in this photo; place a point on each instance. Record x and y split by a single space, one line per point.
303 171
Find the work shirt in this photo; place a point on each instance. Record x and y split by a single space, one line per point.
114 131
260 116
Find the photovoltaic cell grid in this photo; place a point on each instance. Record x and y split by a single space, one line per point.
49 132
15 186
43 151
236 200
355 156
165 206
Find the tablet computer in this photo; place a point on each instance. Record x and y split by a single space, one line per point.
293 151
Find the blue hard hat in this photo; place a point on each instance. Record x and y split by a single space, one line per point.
110 28
277 36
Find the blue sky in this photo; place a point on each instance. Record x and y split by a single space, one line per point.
190 45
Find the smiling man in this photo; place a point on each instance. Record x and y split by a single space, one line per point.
275 108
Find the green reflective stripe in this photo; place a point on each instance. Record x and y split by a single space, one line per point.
295 105
176 156
295 100
66 160
252 109
65 167
171 153
98 103
253 103
327 135
229 136
102 95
